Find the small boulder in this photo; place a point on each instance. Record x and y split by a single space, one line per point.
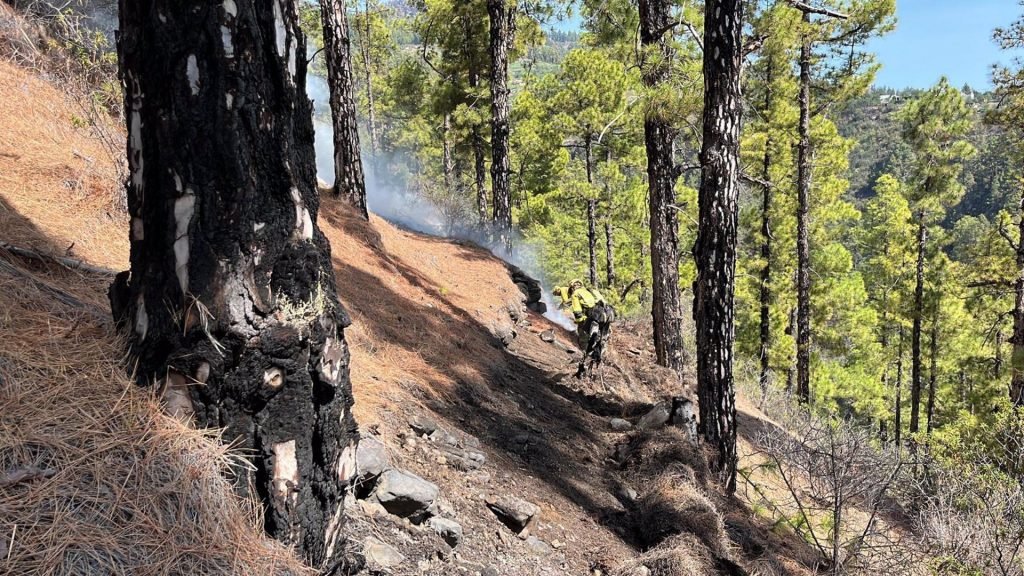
371 458
516 513
405 494
380 555
548 336
449 530
620 425
539 547
422 425
656 418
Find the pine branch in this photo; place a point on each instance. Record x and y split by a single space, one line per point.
821 11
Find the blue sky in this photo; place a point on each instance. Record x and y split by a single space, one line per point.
943 37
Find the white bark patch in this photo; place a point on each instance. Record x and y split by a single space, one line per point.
331 535
192 71
286 472
291 61
303 222
230 8
203 373
258 226
280 32
177 182
347 464
273 378
135 159
141 318
162 17
184 208
331 360
225 37
229 100
176 399
138 229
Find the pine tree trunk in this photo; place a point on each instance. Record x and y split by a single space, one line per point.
231 302
371 107
715 248
666 305
932 371
609 254
898 408
348 166
1017 358
592 241
803 247
448 163
479 156
765 294
502 22
915 352
997 361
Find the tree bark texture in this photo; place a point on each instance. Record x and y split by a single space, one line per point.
447 161
371 107
231 302
609 254
349 183
592 241
502 19
1017 358
803 246
915 344
666 304
898 408
765 292
479 154
933 369
715 248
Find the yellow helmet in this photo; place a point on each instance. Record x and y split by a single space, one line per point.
576 284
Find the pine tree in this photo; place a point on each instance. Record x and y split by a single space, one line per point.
502 16
231 302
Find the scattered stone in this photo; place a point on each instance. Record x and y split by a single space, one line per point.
626 494
557 544
516 513
380 555
548 336
620 425
656 418
489 571
371 508
480 476
539 547
423 425
371 458
449 530
405 494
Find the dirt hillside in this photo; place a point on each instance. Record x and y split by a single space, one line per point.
455 380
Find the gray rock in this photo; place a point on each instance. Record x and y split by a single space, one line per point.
405 494
515 513
371 458
423 425
684 417
620 425
539 547
449 530
380 554
548 336
656 418
489 571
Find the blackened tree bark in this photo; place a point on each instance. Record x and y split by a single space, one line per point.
479 154
915 344
765 294
803 245
231 301
898 408
1016 368
592 241
448 163
715 248
348 165
666 305
609 254
933 368
502 19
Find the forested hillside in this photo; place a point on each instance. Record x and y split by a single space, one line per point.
646 288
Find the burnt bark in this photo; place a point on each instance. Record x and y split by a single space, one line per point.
232 310
933 368
765 292
1017 357
592 241
803 247
349 183
898 407
915 350
447 161
715 248
609 254
666 304
479 154
502 19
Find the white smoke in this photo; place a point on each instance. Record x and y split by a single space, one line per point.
415 212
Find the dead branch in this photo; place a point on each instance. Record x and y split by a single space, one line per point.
71 263
821 11
27 474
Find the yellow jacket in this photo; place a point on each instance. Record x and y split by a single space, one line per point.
580 301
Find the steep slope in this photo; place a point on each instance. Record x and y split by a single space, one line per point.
440 339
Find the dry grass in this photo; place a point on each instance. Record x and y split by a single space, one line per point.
132 491
681 555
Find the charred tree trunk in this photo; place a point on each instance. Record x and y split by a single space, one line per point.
933 369
609 254
1017 357
715 248
348 166
446 153
371 107
766 243
915 351
479 157
502 27
898 408
231 302
666 306
803 246
592 241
